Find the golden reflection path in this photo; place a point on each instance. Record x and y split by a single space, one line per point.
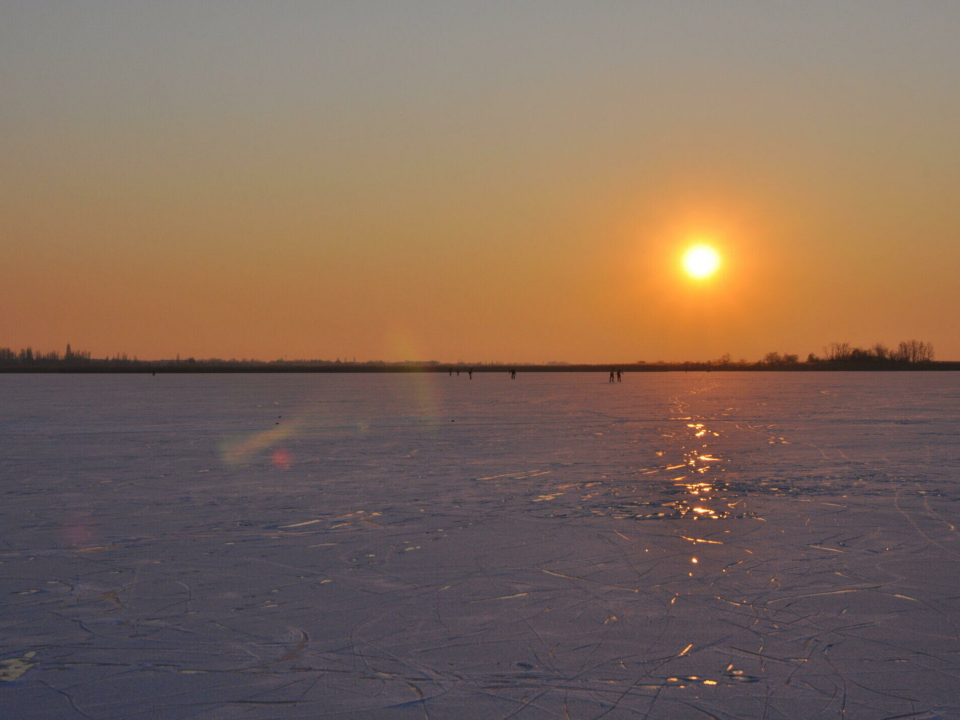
699 461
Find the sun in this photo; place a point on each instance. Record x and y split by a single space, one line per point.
701 261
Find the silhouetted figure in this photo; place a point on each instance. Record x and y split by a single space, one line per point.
513 374
450 371
611 376
458 373
470 372
619 376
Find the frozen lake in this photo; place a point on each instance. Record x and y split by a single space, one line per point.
720 545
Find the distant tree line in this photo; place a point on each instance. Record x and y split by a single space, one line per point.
908 352
30 357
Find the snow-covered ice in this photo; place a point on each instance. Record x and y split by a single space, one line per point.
713 545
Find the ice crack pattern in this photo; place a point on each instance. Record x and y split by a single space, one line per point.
724 545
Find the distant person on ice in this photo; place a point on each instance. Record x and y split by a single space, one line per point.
611 375
513 374
619 376
470 373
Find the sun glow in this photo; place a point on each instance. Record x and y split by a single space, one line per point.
701 261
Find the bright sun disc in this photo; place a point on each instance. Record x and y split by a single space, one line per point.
701 261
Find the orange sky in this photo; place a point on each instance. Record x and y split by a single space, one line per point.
512 182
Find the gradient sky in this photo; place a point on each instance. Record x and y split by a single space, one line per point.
511 181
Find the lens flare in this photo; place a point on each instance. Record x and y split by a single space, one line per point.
420 387
238 451
281 458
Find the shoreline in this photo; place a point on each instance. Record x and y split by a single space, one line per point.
202 367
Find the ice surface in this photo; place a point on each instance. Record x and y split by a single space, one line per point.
720 545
